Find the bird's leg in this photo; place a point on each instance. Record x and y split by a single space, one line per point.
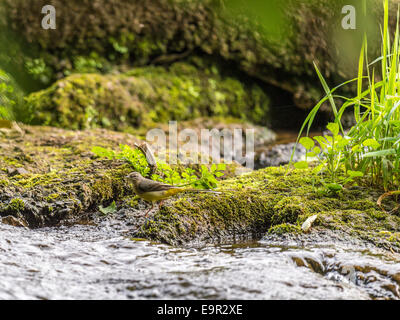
147 212
160 204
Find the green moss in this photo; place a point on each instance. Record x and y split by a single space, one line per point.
284 228
395 238
103 188
207 28
16 205
11 161
37 179
52 197
378 215
130 201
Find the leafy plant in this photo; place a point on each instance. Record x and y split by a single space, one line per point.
372 146
133 156
331 155
110 209
83 64
208 177
7 97
119 46
165 173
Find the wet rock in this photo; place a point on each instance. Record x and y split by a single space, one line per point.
238 131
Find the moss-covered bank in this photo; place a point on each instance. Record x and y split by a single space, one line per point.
48 176
267 200
146 95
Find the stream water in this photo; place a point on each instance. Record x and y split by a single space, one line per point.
99 262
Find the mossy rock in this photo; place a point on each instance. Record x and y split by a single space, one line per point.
143 96
62 180
121 32
64 183
273 201
283 229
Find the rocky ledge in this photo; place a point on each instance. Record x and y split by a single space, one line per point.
275 201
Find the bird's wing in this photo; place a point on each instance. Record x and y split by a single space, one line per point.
147 185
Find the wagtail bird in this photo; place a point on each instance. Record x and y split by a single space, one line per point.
154 191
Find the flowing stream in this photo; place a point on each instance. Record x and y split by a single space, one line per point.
99 262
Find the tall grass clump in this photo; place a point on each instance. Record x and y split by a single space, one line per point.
369 151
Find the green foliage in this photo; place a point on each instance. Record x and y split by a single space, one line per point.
39 70
307 142
183 85
16 205
371 148
208 177
205 178
133 156
121 45
5 103
10 97
168 175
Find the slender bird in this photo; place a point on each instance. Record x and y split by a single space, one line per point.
154 191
